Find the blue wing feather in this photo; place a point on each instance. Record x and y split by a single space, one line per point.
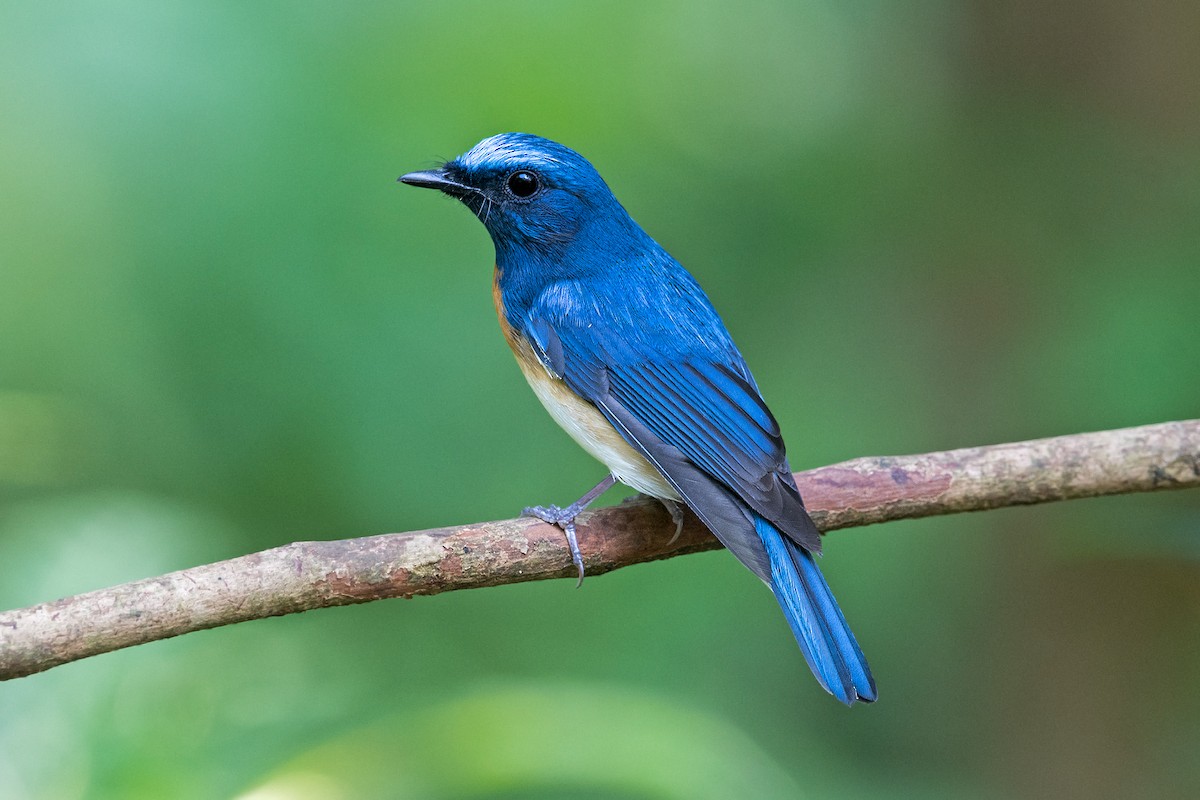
698 402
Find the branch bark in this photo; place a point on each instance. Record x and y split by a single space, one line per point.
307 575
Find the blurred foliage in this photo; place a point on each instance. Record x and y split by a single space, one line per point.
538 740
225 328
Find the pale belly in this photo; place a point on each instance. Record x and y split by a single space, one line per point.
592 431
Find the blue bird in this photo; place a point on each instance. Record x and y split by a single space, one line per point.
627 354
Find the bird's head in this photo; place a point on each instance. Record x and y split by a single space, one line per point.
532 194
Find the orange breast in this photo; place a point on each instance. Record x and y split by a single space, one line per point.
510 335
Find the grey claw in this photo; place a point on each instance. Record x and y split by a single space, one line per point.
565 517
676 517
555 516
551 514
573 543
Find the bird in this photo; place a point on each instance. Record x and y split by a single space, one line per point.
626 352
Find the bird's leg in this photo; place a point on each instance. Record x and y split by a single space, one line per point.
565 517
676 516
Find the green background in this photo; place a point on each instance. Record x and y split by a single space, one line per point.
224 327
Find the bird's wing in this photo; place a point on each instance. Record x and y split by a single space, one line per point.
695 413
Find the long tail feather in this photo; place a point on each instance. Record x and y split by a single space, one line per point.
825 638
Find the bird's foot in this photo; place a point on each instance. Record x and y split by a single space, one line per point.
676 516
565 519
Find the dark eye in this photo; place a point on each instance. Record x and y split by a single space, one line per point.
523 183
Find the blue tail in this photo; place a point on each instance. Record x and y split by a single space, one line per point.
824 637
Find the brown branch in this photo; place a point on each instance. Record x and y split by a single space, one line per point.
306 575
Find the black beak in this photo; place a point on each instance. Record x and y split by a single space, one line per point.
436 179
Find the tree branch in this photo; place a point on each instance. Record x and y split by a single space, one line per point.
307 575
